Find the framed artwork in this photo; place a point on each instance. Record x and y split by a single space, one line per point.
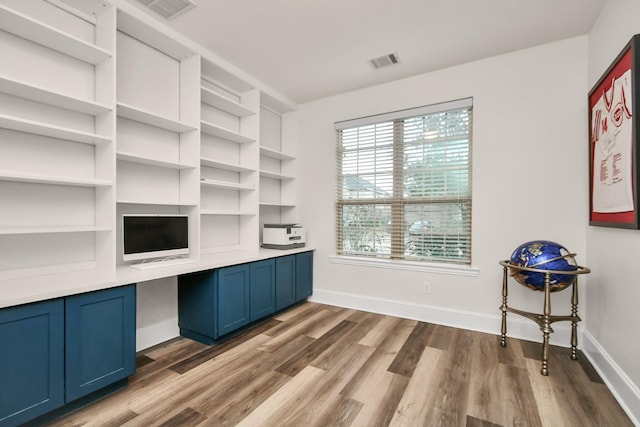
613 142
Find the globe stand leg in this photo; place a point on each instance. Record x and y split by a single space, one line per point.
503 307
546 325
574 320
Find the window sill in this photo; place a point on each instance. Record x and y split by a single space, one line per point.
452 269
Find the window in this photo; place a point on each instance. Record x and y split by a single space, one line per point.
404 184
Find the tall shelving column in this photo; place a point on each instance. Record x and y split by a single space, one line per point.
229 162
56 137
158 149
277 163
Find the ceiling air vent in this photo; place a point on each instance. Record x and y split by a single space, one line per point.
384 61
169 8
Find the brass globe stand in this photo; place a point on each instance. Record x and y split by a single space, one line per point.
545 319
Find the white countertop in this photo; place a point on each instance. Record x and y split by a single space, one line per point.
24 290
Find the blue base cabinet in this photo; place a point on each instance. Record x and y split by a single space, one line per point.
304 275
232 288
100 339
214 303
285 281
57 351
217 302
31 361
262 290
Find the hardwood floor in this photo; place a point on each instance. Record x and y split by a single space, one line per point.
317 365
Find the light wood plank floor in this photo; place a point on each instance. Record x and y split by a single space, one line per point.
318 365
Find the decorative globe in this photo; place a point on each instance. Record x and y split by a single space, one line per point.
543 255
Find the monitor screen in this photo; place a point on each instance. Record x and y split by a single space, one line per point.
152 236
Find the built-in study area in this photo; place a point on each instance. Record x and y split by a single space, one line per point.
130 156
113 124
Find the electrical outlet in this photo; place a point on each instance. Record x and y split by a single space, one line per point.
426 288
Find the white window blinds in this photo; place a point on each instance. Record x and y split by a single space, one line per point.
404 184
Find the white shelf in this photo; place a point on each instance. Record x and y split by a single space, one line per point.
155 202
278 205
35 93
226 212
50 230
277 176
38 32
268 152
225 185
224 165
39 179
44 129
134 158
146 117
216 100
223 133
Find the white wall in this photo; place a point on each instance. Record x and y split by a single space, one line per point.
529 168
157 312
613 292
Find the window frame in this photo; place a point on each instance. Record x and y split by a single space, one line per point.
399 201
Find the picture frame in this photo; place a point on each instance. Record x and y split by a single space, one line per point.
613 142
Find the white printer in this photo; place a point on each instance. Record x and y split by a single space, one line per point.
283 236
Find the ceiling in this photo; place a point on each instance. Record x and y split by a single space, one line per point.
310 49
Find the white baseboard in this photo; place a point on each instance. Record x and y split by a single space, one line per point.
517 327
625 391
622 388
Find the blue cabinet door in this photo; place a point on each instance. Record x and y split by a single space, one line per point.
31 361
262 290
285 281
232 298
304 275
100 339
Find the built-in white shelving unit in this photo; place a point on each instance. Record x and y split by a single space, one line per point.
229 162
105 111
277 166
57 137
158 144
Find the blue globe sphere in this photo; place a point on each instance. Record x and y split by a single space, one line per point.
543 255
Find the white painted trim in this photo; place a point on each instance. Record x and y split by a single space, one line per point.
456 270
624 390
517 327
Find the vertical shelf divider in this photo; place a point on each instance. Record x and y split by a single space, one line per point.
190 148
250 155
105 124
